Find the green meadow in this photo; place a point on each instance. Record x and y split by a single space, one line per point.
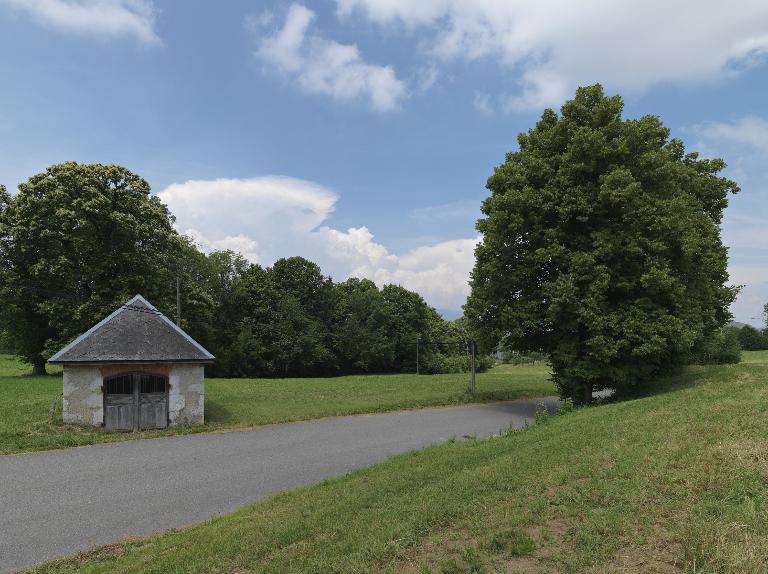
30 407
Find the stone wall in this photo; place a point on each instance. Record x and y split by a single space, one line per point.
186 396
84 399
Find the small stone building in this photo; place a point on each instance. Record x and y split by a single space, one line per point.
134 370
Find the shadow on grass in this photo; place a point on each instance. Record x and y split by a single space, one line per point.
217 413
685 377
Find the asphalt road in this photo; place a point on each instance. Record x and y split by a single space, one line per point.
56 503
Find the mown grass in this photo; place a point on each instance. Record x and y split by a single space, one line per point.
30 407
674 482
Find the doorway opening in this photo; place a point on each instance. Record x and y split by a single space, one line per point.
135 401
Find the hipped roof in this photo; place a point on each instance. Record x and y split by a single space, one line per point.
135 333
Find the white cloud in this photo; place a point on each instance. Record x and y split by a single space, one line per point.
266 218
276 213
556 45
323 66
439 272
356 248
240 243
750 131
482 103
106 18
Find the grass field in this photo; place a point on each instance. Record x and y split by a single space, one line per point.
30 407
675 482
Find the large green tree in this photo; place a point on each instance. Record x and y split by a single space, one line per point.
75 241
360 328
601 246
276 322
409 321
208 296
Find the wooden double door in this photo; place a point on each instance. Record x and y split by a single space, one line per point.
135 401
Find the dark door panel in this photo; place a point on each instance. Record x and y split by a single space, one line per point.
153 411
119 413
136 401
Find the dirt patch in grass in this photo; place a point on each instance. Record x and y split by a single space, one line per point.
549 543
438 550
512 549
656 556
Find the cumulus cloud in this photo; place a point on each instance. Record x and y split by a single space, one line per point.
323 66
439 272
266 218
750 131
556 45
105 18
239 243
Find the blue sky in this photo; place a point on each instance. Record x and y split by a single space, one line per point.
360 133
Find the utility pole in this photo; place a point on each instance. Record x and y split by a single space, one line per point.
472 380
417 353
178 300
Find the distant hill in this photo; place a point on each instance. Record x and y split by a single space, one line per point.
736 324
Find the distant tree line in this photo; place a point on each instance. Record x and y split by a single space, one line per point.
291 320
726 344
752 339
78 240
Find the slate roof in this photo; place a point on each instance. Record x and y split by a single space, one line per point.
135 333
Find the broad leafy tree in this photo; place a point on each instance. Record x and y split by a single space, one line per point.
275 322
752 339
209 305
409 321
302 343
79 240
360 330
601 246
76 241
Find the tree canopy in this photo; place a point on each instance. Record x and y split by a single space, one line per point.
752 339
601 246
290 320
75 241
78 240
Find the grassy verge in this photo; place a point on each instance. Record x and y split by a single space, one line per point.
30 407
676 482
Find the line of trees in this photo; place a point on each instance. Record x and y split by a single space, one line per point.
752 339
78 240
291 320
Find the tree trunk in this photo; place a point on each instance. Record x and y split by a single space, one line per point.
38 369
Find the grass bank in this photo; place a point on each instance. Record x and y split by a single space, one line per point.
675 482
30 407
